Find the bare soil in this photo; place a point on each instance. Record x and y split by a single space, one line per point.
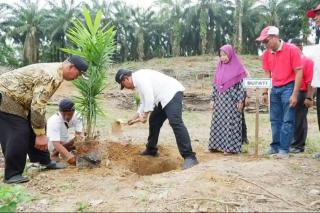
126 181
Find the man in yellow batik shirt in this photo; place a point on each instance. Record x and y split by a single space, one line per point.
24 94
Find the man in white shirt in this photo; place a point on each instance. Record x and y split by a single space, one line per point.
161 97
314 53
58 126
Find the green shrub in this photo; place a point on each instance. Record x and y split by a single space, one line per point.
10 197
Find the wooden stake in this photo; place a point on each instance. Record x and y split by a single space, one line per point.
257 125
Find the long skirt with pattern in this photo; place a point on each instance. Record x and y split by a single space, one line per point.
226 124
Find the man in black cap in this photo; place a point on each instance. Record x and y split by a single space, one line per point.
24 94
58 127
161 97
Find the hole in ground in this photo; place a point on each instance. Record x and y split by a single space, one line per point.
127 155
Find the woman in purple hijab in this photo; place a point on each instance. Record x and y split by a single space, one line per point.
228 97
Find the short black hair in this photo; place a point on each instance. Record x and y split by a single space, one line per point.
296 41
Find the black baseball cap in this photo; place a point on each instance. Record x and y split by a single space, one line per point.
79 63
66 105
120 75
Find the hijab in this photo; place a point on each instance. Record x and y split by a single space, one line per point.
230 73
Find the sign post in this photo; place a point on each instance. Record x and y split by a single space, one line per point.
257 83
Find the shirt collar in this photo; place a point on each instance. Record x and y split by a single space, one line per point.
279 49
134 80
60 73
60 116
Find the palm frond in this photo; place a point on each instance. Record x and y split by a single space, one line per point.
94 42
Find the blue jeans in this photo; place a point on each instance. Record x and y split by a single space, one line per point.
282 118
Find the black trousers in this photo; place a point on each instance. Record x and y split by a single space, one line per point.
244 130
318 106
301 123
173 112
17 140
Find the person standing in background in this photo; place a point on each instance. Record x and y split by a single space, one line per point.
228 96
305 101
282 63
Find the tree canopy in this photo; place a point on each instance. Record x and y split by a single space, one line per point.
31 34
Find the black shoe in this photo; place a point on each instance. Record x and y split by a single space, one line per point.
245 141
295 150
189 162
17 179
55 165
147 152
317 156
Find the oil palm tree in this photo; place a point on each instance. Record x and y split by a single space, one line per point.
24 23
171 12
58 21
123 21
95 43
269 9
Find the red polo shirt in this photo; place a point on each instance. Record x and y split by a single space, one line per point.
282 63
307 67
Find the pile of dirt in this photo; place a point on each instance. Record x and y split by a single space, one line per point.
88 154
127 156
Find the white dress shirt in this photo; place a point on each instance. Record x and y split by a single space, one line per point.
58 129
154 87
313 52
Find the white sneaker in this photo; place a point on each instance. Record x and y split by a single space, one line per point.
281 156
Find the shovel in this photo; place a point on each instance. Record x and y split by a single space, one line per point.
117 126
121 122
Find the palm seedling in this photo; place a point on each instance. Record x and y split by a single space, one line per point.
94 42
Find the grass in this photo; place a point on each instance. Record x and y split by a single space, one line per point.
11 196
82 206
295 167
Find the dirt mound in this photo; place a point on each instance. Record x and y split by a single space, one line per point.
88 154
127 156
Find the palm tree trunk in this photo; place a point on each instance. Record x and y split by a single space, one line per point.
203 29
140 46
30 49
238 20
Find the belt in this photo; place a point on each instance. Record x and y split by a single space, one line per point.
291 82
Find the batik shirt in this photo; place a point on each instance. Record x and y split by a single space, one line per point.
27 90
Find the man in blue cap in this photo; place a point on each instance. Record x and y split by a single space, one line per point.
24 94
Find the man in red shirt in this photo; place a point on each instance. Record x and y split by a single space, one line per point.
282 63
305 101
